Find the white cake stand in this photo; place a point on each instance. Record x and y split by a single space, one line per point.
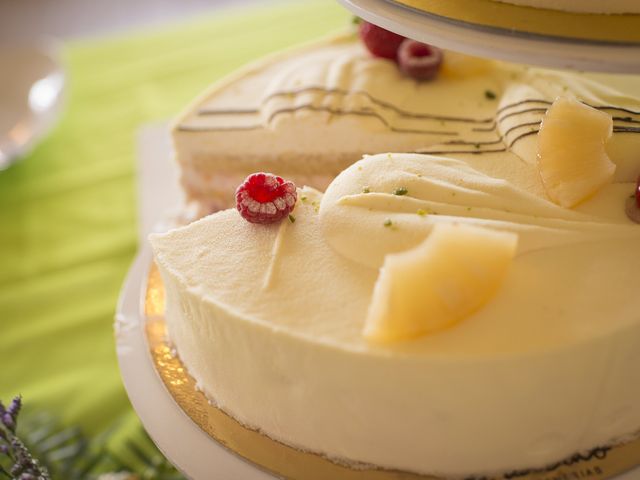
508 44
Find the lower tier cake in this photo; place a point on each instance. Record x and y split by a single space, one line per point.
268 319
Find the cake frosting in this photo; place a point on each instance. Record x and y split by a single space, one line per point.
309 113
582 6
268 320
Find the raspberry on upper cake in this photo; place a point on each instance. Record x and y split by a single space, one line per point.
380 42
419 60
265 198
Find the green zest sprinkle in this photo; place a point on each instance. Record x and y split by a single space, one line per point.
421 212
388 223
400 191
366 189
292 219
489 95
468 209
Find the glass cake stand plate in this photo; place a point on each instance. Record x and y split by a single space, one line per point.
31 95
602 43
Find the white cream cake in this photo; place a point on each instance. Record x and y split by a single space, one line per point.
269 321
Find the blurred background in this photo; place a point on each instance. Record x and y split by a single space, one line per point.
73 19
79 80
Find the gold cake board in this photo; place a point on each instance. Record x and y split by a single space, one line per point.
288 462
599 28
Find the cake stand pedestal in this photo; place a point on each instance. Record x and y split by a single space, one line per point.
601 43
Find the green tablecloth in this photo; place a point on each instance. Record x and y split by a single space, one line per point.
67 212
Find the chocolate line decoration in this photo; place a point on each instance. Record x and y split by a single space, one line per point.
522 102
206 128
364 113
614 108
516 127
381 103
521 136
617 129
521 112
471 152
625 120
402 113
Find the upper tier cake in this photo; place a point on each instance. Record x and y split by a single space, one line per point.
582 6
309 113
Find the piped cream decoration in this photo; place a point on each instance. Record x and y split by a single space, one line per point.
449 190
291 361
452 274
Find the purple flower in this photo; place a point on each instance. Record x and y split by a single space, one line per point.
9 422
14 408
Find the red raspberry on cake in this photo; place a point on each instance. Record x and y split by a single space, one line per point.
419 60
265 198
380 42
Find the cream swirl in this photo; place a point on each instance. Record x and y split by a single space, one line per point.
364 218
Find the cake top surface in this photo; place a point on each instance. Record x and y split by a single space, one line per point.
335 87
572 280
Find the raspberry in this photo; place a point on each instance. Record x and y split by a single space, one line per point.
380 42
265 198
419 60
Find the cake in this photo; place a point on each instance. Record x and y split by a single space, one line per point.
309 113
274 321
508 214
582 6
269 320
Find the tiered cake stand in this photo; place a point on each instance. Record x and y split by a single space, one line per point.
486 28
201 440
